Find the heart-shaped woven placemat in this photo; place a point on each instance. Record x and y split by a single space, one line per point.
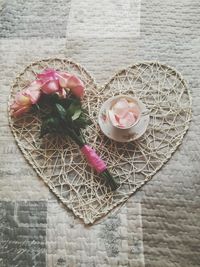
59 162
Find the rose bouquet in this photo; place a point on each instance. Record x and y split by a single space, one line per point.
56 96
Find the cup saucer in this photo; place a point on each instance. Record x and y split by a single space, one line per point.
122 135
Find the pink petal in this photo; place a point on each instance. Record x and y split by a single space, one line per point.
121 107
117 118
47 75
112 118
20 111
78 91
136 112
72 82
52 81
33 91
134 109
128 120
21 99
63 78
76 86
51 87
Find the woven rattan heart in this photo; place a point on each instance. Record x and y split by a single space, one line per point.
59 162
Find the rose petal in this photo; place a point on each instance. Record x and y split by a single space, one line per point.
117 118
63 78
20 111
134 109
136 112
128 120
76 86
71 82
78 91
33 91
47 75
21 104
51 87
112 118
22 99
49 81
121 107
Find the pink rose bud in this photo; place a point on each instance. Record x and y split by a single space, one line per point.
93 159
25 99
21 104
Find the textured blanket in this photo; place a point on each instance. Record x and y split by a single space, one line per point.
160 224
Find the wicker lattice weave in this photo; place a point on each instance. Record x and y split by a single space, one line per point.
59 162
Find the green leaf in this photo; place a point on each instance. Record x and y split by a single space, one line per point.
73 105
61 111
72 109
50 125
63 116
83 121
76 114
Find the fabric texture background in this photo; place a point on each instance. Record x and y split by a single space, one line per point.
159 225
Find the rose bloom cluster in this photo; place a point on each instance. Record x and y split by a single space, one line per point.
49 81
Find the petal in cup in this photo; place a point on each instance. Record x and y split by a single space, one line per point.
112 118
128 120
124 113
121 107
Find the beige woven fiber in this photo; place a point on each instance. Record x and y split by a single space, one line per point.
59 162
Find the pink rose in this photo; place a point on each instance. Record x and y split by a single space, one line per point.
71 82
26 98
49 81
55 81
33 91
21 104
